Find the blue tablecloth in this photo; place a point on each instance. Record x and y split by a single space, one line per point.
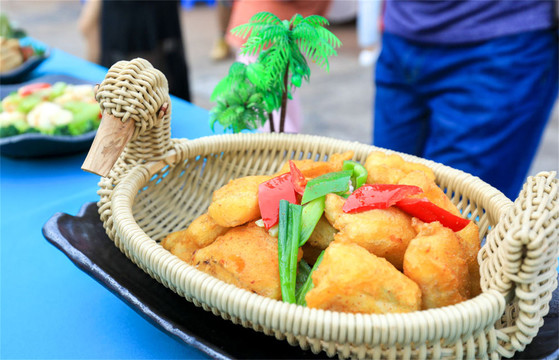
50 309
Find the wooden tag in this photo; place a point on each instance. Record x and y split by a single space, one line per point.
111 138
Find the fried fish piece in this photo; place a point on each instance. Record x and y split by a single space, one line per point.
311 168
385 168
471 244
469 236
245 256
383 232
323 234
350 279
430 190
435 261
236 203
200 233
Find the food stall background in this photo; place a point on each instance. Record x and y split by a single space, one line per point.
336 103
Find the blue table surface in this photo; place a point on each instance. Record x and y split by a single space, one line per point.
49 308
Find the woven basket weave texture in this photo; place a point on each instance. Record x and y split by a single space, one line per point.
159 185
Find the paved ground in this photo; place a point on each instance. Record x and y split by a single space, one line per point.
336 104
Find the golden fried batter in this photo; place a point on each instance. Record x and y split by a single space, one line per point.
385 233
350 279
311 169
469 236
323 234
245 256
430 190
321 237
385 168
236 203
435 261
200 233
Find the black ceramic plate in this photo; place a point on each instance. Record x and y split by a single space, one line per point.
18 74
37 145
83 239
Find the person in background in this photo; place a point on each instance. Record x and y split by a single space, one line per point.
149 29
241 13
88 24
470 84
221 50
369 25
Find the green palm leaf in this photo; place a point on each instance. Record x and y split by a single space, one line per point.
276 60
266 36
304 31
221 88
265 17
256 73
316 20
296 20
256 23
329 36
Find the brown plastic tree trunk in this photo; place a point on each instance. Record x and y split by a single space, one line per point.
284 99
271 121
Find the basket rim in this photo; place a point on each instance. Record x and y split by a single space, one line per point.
472 315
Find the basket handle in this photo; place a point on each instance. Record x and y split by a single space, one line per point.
523 265
135 127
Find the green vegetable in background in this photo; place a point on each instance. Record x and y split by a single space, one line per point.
56 90
83 111
27 103
85 115
9 130
8 30
17 128
61 130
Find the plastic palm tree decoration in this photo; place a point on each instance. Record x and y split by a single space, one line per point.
240 102
283 48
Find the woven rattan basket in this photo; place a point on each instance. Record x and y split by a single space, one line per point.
159 185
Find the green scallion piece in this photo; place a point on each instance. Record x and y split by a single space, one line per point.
289 233
303 271
308 285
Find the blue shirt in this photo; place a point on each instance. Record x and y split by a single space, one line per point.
464 21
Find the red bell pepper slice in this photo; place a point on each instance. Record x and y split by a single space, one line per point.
426 211
31 88
298 179
269 195
26 52
378 196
